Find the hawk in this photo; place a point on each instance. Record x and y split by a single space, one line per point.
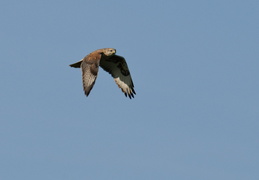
113 64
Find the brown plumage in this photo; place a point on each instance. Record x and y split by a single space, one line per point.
113 64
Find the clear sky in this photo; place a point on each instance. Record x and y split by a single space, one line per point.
195 69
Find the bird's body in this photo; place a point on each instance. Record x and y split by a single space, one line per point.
113 64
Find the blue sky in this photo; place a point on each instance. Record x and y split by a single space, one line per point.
195 69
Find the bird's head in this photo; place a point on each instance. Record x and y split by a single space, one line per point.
109 51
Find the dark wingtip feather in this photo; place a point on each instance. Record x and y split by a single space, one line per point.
87 92
130 95
76 65
133 91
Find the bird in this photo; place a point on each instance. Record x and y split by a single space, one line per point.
111 63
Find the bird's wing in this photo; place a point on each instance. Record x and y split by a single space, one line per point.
77 64
118 68
89 74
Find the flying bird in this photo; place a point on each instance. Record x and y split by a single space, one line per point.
113 64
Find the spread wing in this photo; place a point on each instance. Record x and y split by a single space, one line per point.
89 74
118 68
